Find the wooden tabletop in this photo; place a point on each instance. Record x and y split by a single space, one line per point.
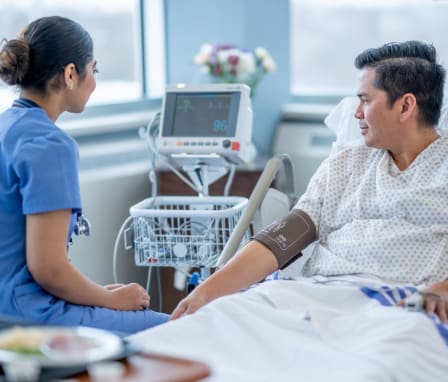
158 368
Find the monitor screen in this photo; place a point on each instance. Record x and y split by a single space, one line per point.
201 114
206 120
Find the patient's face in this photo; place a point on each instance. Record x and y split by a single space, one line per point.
377 120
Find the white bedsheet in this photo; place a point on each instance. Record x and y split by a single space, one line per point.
307 330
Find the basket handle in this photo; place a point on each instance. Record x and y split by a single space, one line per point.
127 233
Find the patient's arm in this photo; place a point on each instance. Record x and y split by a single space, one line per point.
251 264
274 247
435 300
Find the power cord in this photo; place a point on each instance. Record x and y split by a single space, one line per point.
148 279
151 134
115 253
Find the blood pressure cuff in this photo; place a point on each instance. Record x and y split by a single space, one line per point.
288 236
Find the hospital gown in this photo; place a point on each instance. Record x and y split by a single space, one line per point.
374 219
38 173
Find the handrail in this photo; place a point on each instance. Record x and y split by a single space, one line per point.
256 198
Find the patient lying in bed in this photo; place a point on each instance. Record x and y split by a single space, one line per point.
379 213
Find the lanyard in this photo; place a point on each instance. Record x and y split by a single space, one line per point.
24 103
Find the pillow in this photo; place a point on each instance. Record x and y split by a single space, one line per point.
442 126
341 120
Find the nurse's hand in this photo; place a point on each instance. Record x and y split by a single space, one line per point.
113 286
435 300
128 297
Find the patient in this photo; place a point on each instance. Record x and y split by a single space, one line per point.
377 210
52 63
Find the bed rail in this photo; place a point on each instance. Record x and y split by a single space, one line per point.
273 166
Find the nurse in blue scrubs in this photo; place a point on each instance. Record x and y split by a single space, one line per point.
52 64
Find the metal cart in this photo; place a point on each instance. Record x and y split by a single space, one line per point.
201 231
180 230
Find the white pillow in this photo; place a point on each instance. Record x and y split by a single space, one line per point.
341 120
442 126
343 123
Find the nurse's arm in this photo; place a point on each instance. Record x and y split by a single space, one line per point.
48 263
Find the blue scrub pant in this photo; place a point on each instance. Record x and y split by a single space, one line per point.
32 303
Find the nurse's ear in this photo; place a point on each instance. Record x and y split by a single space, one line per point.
70 76
408 106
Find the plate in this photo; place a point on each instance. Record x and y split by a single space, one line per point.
65 347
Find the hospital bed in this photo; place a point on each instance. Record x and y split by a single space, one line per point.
308 329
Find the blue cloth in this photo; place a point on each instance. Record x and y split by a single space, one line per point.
39 173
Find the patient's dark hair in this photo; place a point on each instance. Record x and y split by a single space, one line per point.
40 53
408 67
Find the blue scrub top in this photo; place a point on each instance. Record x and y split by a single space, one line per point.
39 173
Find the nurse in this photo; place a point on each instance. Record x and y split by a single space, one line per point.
52 64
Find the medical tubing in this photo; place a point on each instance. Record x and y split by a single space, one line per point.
149 137
159 285
153 178
230 179
151 134
148 279
115 253
159 289
254 202
152 130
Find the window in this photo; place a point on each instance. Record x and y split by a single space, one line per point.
326 35
125 66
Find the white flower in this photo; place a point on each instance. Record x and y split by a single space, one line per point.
269 64
261 52
204 55
246 66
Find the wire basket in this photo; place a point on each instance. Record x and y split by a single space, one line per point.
183 230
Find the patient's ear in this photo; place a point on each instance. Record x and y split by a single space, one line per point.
408 106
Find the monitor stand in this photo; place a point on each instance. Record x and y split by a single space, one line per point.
203 169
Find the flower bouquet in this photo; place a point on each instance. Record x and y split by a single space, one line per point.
229 64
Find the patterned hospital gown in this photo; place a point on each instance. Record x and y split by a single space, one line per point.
374 219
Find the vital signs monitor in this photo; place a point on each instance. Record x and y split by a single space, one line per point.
207 119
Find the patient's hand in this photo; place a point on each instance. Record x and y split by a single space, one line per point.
128 297
189 304
435 300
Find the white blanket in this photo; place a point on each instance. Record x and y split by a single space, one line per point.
317 329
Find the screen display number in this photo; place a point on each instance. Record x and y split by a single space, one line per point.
219 125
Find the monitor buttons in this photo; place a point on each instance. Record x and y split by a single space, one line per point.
226 143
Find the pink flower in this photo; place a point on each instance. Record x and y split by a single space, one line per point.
233 60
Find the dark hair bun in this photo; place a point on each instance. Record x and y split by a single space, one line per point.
14 61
